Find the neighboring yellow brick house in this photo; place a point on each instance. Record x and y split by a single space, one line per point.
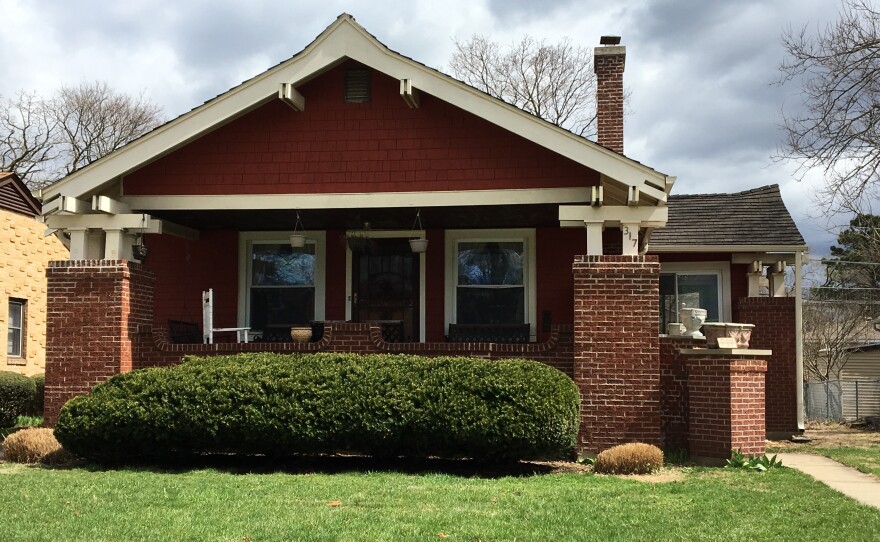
24 254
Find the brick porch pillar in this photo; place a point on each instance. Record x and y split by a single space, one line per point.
617 349
93 312
775 329
726 402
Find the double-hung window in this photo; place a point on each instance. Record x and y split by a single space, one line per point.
282 285
703 286
491 274
15 326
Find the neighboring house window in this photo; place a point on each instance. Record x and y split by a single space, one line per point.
15 324
282 286
697 285
491 274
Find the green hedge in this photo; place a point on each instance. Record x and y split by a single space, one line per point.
323 403
16 397
39 394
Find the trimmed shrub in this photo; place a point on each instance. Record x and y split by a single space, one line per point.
16 397
39 394
383 405
34 445
632 458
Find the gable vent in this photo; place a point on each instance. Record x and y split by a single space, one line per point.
357 85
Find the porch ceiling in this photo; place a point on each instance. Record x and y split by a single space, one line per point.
387 218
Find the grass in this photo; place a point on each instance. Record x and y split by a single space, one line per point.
212 504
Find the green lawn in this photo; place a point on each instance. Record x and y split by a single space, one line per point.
209 504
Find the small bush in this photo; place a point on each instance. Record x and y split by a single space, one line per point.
34 445
633 458
39 394
16 397
381 405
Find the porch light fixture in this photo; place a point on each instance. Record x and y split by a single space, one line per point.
418 244
139 250
298 240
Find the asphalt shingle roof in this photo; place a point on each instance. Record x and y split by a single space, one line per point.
753 217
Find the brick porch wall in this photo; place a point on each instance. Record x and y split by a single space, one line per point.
775 329
94 311
154 349
617 349
674 392
725 405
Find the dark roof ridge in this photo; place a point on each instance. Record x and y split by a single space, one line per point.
767 189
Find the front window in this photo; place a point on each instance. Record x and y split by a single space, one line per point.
280 286
15 335
491 278
490 288
689 289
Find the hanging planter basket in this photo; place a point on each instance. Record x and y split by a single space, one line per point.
297 240
418 245
140 252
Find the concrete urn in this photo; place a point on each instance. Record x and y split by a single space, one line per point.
693 319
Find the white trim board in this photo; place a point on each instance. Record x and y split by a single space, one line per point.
359 200
347 39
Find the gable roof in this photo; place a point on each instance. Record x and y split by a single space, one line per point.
345 39
15 196
752 218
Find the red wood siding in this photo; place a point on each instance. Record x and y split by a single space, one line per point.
378 146
184 269
435 288
555 254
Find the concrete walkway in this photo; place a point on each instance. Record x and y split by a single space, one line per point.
849 481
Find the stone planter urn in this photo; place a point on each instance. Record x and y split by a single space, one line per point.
301 334
693 319
675 329
742 333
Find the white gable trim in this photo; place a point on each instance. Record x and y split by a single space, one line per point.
346 39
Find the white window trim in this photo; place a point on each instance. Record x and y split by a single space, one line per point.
22 304
527 236
720 269
246 239
387 234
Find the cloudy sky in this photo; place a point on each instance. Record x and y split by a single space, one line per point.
700 72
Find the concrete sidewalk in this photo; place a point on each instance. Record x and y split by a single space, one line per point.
849 481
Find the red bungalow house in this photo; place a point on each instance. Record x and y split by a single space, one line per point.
539 242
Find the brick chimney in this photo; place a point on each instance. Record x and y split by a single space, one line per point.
608 63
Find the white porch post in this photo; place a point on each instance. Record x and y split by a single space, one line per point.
776 276
114 244
79 243
630 232
756 272
799 338
594 238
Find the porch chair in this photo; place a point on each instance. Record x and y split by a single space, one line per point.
208 329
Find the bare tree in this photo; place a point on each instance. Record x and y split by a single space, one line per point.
830 328
838 129
555 82
43 140
26 145
92 120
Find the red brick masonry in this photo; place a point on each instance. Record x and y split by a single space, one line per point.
725 404
634 386
617 357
